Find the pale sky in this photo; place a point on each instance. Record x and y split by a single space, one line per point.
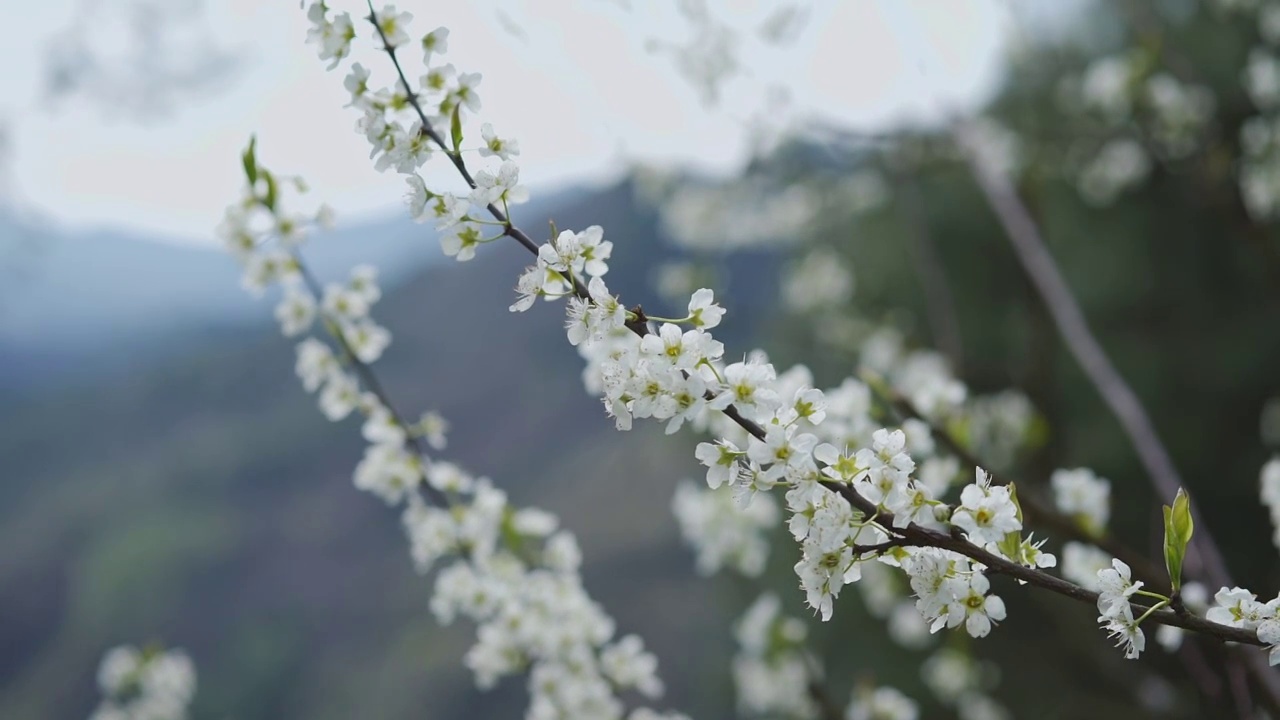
572 80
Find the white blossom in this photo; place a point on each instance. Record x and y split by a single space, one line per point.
1115 586
1083 495
722 534
495 146
882 703
986 512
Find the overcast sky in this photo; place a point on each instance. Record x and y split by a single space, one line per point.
576 81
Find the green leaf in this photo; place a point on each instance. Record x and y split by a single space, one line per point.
455 128
269 200
1011 545
1178 528
250 160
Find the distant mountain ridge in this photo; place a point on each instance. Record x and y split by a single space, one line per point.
76 303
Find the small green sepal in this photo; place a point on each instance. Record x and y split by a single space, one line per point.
455 129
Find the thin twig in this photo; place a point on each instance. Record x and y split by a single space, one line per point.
639 326
369 379
926 537
1033 506
1024 235
817 689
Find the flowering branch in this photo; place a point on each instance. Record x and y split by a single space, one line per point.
914 535
368 378
637 322
455 156
1036 509
854 494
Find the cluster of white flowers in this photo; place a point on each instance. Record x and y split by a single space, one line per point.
1269 482
1119 165
772 671
537 618
1083 496
399 138
723 534
882 703
818 281
332 37
511 571
924 378
1237 607
733 216
1082 562
960 682
148 684
1124 94
1261 79
998 426
1115 587
1258 171
677 376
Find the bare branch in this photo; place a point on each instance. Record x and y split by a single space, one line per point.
1024 235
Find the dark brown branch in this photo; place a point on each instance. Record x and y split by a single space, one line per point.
1037 510
915 535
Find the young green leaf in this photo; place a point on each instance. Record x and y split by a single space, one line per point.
250 160
1178 527
269 200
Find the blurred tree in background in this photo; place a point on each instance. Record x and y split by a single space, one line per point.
1141 139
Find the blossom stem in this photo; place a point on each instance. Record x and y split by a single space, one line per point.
1156 596
1153 609
479 221
926 537
715 372
1037 510
368 378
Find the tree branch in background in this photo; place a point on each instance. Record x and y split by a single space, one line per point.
1028 244
939 301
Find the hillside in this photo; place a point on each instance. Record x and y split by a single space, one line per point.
203 501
